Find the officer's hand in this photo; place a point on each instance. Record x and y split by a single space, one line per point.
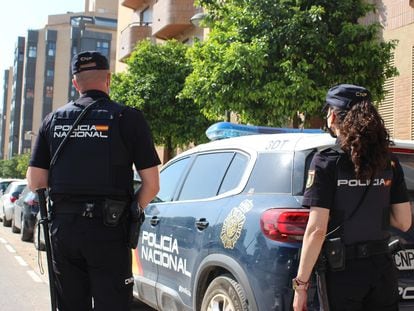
300 300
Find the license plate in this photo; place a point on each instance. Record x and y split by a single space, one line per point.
404 259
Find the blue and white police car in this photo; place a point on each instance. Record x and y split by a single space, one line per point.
225 230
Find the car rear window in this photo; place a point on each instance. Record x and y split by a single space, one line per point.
272 173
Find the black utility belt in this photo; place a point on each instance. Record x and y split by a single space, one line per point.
86 209
111 211
365 250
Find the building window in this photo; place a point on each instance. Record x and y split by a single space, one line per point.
49 91
103 47
386 106
51 49
146 16
29 93
32 51
50 73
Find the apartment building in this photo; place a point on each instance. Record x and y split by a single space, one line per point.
155 20
397 109
42 77
16 98
5 111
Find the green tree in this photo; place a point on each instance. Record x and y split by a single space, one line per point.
22 164
155 76
266 59
15 167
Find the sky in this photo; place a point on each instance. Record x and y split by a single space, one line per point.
18 16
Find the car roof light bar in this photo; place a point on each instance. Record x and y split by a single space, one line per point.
222 130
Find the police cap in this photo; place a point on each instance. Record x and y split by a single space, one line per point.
344 96
89 60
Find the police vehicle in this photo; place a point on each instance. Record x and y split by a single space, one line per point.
225 231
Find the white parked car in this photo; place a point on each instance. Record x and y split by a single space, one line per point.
7 200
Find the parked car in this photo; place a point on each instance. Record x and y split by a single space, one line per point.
4 183
225 230
11 194
26 209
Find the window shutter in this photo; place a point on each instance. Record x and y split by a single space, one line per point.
386 107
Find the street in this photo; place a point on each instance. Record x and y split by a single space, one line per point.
22 285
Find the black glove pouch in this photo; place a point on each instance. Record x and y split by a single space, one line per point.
334 251
112 212
136 219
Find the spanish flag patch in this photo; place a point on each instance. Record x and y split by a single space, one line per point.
102 128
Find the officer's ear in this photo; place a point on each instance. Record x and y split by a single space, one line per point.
75 84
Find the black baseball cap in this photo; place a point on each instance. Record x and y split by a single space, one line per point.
344 96
89 60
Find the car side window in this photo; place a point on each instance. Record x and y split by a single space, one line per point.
169 178
206 176
234 173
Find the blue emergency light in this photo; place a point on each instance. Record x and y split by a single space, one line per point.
221 130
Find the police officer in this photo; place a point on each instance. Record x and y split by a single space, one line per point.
354 192
91 188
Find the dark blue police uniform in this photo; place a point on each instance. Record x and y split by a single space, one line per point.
370 277
92 259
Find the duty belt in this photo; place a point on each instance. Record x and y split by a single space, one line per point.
365 250
86 209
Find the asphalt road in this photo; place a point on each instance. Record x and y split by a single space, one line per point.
24 281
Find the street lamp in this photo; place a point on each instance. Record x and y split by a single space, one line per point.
197 18
31 134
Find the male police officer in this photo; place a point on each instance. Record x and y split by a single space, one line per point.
91 187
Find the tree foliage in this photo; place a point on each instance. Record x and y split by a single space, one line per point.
15 167
268 59
155 76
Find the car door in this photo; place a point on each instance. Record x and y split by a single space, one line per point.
186 224
145 257
404 259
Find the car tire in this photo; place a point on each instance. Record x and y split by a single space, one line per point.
6 223
14 228
224 293
39 246
27 235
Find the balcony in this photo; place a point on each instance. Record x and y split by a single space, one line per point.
130 36
172 17
133 4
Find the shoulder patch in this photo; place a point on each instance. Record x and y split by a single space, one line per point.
310 179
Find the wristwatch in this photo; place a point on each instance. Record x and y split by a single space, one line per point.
299 285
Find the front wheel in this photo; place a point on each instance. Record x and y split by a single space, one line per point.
224 294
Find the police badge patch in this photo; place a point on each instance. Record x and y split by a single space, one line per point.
233 224
311 177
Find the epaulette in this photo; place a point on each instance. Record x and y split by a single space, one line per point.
333 149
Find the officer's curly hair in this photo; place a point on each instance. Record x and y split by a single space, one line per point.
364 137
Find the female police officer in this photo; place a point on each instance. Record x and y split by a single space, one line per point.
354 191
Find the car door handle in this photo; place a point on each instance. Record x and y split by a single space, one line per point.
154 221
201 223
